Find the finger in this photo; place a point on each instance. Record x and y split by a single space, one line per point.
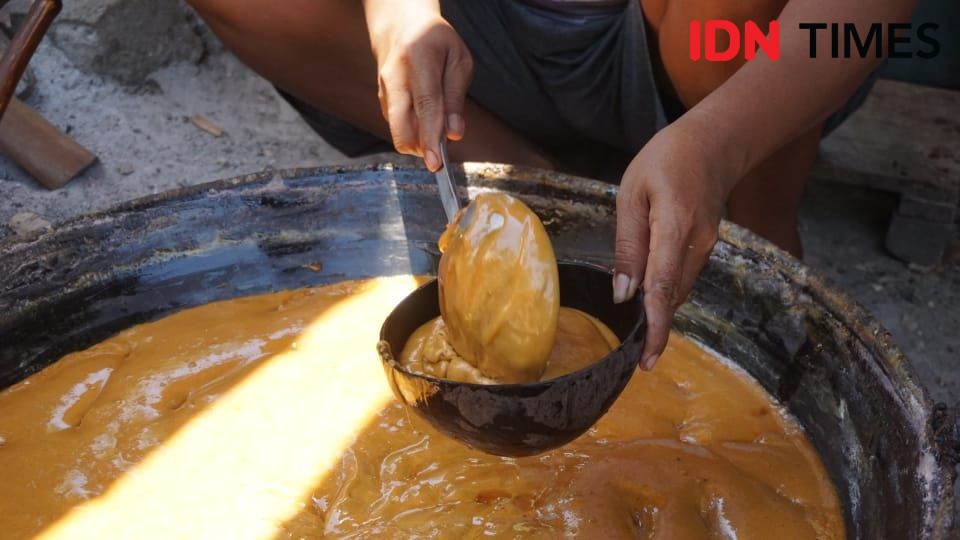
457 75
427 95
661 284
402 121
632 245
698 251
382 98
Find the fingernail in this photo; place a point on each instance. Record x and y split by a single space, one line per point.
649 362
455 124
432 161
621 285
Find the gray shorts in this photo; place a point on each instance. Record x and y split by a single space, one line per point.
584 86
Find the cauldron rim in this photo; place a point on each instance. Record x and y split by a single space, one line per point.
864 326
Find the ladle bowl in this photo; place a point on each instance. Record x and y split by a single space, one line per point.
520 419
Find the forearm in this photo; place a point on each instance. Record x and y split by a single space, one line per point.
768 103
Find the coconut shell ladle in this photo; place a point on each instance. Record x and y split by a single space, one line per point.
516 419
519 419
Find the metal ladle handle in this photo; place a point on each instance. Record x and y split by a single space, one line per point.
446 185
22 47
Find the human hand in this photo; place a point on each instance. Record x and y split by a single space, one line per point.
669 207
424 70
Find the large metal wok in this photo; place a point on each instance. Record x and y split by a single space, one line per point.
888 449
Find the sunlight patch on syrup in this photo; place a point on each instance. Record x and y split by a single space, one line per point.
245 464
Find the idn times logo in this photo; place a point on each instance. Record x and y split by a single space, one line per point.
846 40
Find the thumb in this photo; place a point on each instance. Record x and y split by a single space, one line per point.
632 245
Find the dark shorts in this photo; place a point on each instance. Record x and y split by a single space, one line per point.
584 86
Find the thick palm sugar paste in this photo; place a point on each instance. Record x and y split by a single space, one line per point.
270 417
499 290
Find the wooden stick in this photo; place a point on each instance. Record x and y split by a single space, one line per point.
36 145
14 59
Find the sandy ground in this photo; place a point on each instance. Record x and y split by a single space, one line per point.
147 144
